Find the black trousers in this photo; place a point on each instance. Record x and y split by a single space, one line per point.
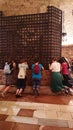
66 81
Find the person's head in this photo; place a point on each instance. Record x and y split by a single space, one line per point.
54 59
6 63
36 60
62 59
23 60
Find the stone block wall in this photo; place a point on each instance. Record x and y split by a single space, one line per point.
2 77
67 51
44 82
20 7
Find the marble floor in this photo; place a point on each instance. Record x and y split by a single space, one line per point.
43 112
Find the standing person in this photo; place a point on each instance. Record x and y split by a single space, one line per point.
7 73
36 75
56 77
21 81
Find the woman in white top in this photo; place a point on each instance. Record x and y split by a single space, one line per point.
56 77
21 81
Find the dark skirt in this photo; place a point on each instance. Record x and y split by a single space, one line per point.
21 83
56 82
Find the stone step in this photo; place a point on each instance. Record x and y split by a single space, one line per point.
28 89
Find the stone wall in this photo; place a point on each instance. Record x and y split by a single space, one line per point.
67 51
20 7
44 82
2 78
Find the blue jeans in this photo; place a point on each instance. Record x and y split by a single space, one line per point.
36 83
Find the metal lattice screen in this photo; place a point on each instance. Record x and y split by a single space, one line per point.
30 36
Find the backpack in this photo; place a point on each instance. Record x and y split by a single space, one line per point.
7 69
21 74
36 69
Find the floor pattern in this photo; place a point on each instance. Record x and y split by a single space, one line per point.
37 113
43 112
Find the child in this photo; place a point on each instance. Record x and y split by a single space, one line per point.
36 75
8 76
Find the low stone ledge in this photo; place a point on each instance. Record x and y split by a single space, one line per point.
44 82
28 90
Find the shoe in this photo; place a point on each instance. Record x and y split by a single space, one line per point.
37 92
2 94
66 92
33 92
18 96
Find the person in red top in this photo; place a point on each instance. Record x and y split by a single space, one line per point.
64 68
65 72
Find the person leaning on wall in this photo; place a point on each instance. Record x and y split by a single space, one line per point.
36 76
65 72
56 77
8 77
21 78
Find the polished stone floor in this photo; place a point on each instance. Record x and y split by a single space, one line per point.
43 112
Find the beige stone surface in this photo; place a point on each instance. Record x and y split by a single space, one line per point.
67 51
41 115
18 7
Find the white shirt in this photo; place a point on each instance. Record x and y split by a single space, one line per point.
22 70
55 67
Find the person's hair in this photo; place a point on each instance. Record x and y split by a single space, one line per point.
23 60
36 60
54 59
62 59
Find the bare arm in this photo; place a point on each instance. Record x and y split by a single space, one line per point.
42 68
49 66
